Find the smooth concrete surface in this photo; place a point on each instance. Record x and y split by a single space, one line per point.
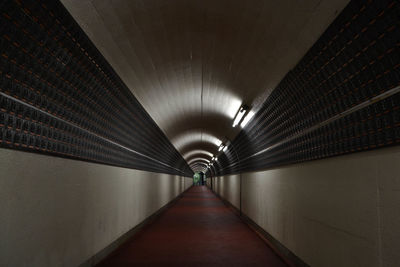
187 182
341 211
229 187
60 212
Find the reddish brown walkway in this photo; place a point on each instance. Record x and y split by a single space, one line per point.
199 230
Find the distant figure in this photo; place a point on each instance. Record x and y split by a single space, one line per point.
198 179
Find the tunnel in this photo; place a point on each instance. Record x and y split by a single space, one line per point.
199 133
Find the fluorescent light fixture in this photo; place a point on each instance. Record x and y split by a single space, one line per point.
221 147
247 118
239 115
225 148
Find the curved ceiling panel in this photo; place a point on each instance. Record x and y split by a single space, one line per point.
193 136
214 123
198 157
199 167
198 160
200 145
192 64
197 152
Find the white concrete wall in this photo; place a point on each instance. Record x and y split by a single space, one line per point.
208 181
60 212
188 182
228 187
342 211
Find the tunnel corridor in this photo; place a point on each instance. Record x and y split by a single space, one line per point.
199 133
198 230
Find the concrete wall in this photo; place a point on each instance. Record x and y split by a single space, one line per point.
342 211
187 182
229 188
60 212
208 181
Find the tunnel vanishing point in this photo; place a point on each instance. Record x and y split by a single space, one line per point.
199 133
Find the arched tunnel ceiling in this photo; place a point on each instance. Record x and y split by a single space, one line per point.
191 64
197 152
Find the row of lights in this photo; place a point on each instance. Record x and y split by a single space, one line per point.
222 147
214 158
242 117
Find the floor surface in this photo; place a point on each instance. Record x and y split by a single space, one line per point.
198 230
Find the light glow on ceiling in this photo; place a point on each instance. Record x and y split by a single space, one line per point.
197 152
198 159
194 136
199 164
234 105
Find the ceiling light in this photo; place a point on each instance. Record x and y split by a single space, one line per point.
221 147
247 118
225 148
239 115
